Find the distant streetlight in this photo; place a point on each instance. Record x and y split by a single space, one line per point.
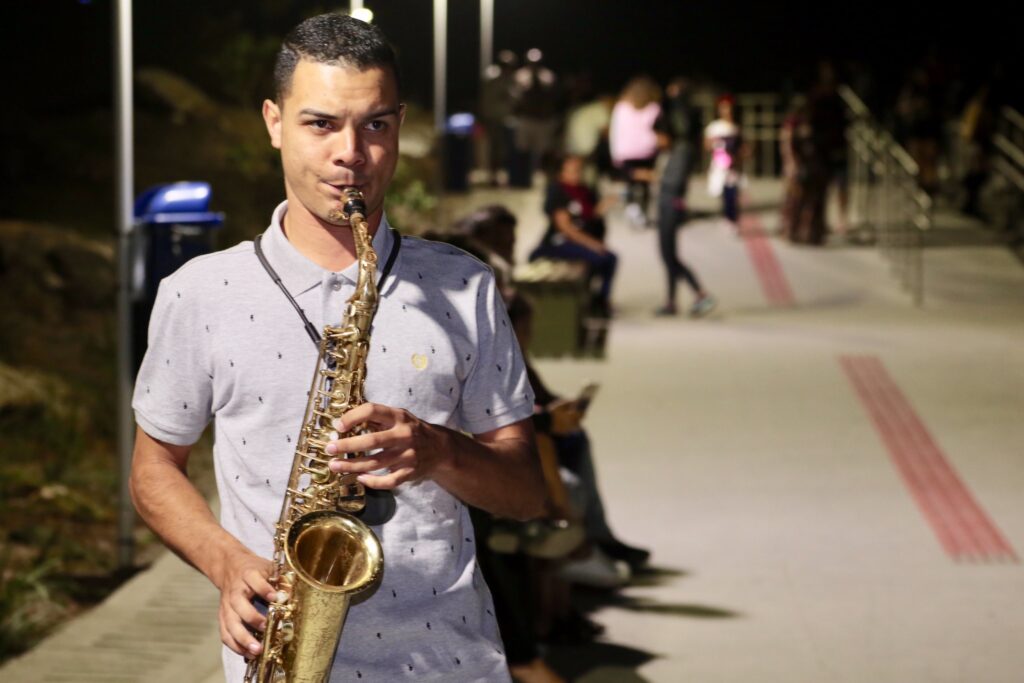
125 188
440 62
358 11
486 35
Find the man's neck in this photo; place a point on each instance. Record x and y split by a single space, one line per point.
331 247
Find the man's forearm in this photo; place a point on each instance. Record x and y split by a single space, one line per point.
172 507
502 477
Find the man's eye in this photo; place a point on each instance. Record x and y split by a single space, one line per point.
376 125
322 124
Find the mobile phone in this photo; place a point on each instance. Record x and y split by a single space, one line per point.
586 396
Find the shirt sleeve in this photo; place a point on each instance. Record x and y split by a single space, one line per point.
496 392
174 386
555 198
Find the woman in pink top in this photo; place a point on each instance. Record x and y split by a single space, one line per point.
633 142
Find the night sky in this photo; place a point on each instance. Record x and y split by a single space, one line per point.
62 47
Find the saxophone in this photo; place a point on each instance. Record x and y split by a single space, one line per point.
323 554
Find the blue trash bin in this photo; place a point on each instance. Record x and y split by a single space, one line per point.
173 224
458 151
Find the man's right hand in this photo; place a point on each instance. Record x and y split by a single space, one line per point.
172 506
243 577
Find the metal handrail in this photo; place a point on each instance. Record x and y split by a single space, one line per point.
1008 142
886 198
1014 117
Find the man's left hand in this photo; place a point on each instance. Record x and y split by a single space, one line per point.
410 449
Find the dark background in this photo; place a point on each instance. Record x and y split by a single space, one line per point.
58 52
56 131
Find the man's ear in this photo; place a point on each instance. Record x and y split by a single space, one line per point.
272 119
401 113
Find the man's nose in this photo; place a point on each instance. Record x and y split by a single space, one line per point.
347 149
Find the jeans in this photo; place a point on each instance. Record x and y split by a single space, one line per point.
602 265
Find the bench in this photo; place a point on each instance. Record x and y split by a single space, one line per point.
560 294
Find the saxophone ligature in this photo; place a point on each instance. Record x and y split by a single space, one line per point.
323 553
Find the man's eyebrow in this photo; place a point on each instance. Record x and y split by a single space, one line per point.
390 111
379 114
317 114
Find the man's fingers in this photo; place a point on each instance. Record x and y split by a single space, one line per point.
385 459
395 436
231 643
256 581
368 413
387 481
235 635
361 442
246 643
248 613
359 465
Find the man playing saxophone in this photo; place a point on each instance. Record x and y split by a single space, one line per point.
226 342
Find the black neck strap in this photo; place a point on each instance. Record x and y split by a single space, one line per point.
396 246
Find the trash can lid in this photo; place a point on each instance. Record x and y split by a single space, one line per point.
182 202
460 123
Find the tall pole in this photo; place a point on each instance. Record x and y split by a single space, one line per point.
440 62
125 190
486 34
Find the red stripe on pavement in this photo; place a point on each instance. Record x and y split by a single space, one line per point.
961 525
759 248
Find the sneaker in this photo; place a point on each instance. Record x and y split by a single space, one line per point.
635 215
635 557
597 570
703 306
666 310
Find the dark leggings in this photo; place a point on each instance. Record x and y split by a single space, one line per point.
670 215
674 180
639 191
731 202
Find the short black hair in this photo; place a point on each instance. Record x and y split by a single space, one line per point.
336 39
485 218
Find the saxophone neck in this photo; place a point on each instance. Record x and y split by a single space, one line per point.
366 285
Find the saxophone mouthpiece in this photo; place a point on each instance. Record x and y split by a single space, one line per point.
353 202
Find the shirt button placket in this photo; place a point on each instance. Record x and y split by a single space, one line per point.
333 301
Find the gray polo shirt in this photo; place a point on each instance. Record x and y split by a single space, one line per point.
224 343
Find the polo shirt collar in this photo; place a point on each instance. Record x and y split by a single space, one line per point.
297 272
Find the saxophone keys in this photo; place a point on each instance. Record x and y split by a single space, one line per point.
351 505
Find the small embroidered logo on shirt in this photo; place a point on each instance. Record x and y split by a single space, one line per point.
419 361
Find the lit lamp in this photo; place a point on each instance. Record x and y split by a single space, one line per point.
357 11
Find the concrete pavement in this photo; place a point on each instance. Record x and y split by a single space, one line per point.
789 544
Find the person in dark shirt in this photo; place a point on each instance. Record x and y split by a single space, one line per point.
577 228
677 127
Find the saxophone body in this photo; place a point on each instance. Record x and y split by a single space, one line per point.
324 554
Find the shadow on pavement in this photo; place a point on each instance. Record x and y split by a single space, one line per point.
605 662
598 662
